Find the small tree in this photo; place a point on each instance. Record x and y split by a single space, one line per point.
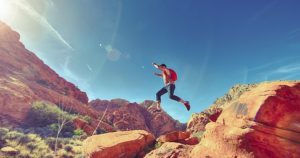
63 119
100 120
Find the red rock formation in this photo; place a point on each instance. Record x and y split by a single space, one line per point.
131 116
179 137
174 137
170 150
24 78
198 121
117 144
262 122
81 124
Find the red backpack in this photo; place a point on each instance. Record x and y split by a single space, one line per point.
173 75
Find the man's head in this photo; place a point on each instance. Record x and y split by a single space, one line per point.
162 66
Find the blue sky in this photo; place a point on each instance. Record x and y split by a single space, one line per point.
106 47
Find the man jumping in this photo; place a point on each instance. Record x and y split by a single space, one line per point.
169 77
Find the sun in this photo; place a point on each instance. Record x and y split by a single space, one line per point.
5 9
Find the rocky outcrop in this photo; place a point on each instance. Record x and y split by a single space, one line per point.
117 144
123 115
179 137
85 126
24 78
170 150
198 121
262 122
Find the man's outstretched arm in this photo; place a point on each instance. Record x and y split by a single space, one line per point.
157 74
155 65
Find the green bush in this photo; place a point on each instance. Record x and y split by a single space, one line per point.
49 156
158 145
51 143
198 135
44 113
29 146
86 118
33 146
53 127
24 139
24 154
3 132
13 135
78 132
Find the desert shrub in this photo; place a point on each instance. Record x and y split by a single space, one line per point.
24 154
78 132
3 132
44 113
86 118
44 118
66 155
67 131
198 135
13 135
68 148
33 146
51 143
158 145
51 130
24 139
30 145
49 156
53 126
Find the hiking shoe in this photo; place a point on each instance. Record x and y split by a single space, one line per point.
187 105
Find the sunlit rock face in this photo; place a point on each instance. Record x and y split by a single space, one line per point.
123 115
170 150
24 78
198 121
262 122
125 144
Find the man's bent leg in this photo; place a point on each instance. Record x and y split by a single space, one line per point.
174 97
159 94
171 93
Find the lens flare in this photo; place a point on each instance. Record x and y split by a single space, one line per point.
5 9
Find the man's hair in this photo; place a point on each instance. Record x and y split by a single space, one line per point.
164 65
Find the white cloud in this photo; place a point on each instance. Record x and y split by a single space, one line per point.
287 68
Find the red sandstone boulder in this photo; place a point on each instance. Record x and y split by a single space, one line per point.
263 122
125 144
174 137
190 141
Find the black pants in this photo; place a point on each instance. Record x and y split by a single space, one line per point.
169 88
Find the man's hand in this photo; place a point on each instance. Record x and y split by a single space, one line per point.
157 74
155 65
